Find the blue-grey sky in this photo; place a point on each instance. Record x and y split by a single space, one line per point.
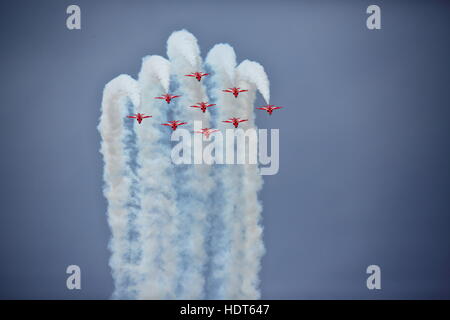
364 161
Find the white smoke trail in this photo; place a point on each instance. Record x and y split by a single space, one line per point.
251 74
222 60
117 174
158 219
243 247
195 188
184 56
173 224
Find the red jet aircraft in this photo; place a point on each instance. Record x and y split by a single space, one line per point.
168 97
235 91
203 106
207 131
173 124
197 75
235 121
139 117
269 108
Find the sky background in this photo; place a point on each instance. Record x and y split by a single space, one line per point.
364 139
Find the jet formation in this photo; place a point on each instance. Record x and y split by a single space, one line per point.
203 106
